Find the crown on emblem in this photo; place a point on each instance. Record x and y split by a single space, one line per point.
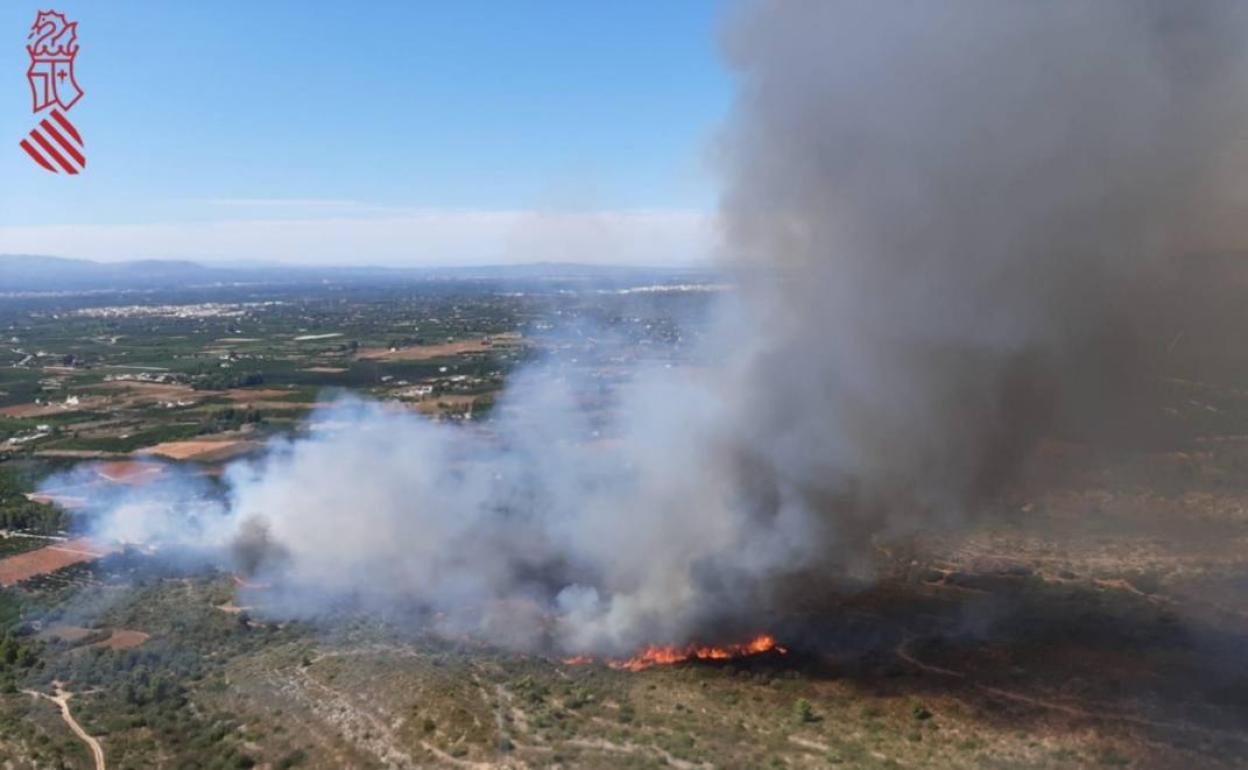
55 37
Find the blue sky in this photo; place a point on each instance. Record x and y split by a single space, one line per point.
386 132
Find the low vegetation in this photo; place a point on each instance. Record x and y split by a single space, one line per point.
20 514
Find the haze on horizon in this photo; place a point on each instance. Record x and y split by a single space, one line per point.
460 134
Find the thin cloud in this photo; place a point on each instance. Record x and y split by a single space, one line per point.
310 203
412 237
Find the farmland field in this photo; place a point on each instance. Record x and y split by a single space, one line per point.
48 559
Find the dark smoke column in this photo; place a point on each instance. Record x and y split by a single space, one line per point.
956 221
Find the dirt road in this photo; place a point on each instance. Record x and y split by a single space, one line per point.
61 699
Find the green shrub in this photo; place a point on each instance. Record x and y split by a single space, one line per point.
803 712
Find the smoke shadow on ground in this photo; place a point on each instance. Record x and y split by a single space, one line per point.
1020 651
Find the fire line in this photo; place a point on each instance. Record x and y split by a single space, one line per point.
663 655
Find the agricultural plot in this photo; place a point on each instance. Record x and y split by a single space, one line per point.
204 450
12 544
49 559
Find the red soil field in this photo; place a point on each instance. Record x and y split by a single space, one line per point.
201 449
24 566
128 471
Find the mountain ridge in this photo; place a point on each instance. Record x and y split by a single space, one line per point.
39 272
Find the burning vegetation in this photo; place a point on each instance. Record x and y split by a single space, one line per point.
664 655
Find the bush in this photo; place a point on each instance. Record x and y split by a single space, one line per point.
803 712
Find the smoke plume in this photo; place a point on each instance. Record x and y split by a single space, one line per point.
952 227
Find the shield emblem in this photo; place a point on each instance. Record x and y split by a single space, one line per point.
53 48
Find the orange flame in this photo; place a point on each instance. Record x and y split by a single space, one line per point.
662 655
578 660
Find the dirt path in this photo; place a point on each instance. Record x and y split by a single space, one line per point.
602 744
369 730
824 748
61 699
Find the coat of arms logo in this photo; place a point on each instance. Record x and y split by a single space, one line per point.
52 44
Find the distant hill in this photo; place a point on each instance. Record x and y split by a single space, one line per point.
29 272
37 273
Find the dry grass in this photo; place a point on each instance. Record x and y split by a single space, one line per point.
123 639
